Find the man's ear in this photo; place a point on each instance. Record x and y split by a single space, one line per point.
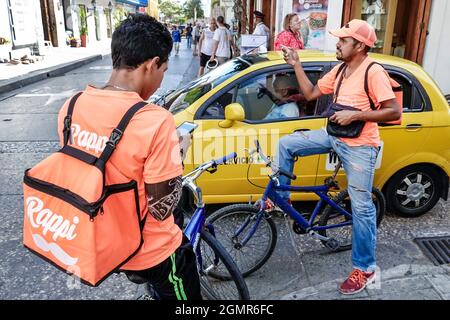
152 64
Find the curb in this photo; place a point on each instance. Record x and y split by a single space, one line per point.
436 278
38 75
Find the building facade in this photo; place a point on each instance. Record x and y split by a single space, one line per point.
410 29
21 25
152 8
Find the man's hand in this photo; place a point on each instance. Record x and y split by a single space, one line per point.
345 117
290 55
213 57
185 142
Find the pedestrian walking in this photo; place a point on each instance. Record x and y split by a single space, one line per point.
176 38
197 33
222 42
205 45
189 35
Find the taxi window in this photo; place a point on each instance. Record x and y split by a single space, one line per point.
274 97
412 99
183 97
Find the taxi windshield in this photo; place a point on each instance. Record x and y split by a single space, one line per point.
181 98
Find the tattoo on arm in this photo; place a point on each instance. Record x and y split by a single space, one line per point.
163 197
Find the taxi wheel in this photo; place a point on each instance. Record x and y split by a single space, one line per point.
413 191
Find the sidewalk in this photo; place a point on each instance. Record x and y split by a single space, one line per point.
56 61
403 282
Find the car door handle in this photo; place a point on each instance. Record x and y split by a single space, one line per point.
414 126
299 130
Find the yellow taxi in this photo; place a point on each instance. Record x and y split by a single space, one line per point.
233 105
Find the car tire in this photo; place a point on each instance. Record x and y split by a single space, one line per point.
448 98
413 191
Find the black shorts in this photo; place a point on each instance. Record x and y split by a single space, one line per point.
181 266
204 60
196 39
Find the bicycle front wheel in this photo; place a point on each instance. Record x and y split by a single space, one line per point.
343 235
231 219
213 260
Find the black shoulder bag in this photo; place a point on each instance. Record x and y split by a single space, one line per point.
354 129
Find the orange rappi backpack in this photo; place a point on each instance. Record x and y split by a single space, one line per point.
73 219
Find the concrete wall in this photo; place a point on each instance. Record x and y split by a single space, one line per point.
57 10
436 59
5 31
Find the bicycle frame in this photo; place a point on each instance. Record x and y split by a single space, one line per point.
270 193
197 222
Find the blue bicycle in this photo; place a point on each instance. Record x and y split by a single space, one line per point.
249 232
220 277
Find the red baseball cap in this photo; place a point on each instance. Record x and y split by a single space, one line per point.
358 29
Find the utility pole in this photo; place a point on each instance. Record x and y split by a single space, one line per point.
195 14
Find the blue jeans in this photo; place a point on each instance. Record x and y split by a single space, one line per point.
359 165
189 41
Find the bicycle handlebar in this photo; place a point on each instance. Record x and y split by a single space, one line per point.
224 159
193 175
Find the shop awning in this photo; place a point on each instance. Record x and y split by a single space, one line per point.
138 3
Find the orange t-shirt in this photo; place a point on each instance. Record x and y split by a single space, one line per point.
148 152
352 94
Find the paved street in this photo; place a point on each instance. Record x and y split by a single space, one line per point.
28 134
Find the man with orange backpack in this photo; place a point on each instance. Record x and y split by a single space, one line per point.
93 239
363 96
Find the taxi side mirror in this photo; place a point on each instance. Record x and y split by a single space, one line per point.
233 112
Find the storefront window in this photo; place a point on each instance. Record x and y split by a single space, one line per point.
381 15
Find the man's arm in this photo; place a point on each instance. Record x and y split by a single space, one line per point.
310 91
389 111
215 46
200 41
163 197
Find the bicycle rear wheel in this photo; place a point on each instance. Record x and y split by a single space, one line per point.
220 278
251 256
343 235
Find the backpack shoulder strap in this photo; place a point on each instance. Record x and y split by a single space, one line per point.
116 135
341 69
366 84
68 118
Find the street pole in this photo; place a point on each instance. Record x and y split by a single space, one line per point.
195 14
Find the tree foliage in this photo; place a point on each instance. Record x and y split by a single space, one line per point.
189 9
171 11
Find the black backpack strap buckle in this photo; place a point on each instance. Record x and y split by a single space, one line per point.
67 128
115 137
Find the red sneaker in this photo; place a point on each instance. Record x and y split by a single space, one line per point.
356 282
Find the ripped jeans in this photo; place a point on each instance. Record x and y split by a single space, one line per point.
359 165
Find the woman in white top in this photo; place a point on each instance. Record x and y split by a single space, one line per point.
222 42
205 45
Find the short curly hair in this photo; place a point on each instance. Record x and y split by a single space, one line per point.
137 39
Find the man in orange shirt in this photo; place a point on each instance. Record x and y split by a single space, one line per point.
149 153
358 155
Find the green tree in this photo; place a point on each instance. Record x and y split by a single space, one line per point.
189 9
171 11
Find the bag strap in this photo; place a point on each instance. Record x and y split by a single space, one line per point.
68 118
341 69
117 134
366 85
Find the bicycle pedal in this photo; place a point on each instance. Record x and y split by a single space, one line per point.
332 244
298 228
